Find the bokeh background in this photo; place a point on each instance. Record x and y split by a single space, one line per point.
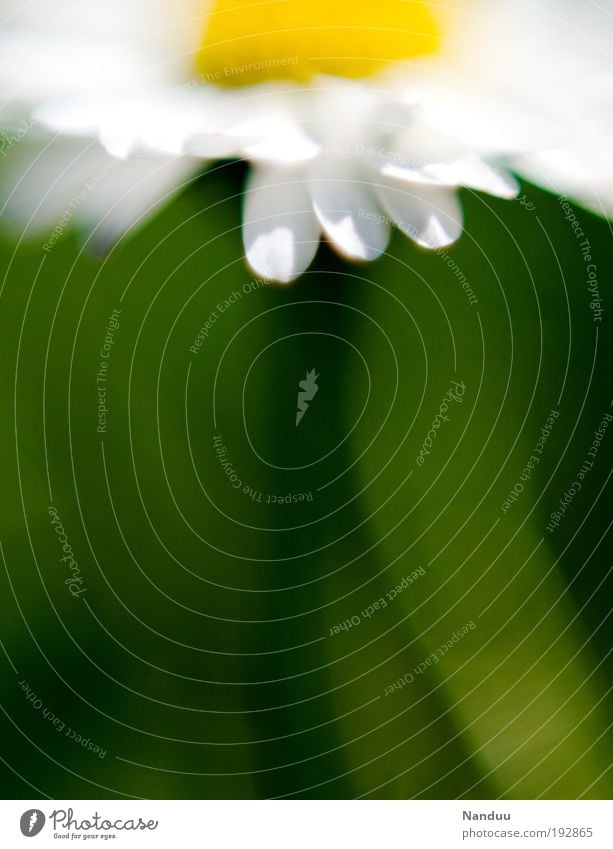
204 656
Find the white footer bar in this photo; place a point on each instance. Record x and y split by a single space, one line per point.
308 824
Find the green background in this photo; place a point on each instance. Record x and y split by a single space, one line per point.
202 657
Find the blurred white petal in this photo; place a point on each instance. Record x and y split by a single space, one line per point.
430 216
51 188
348 212
524 87
280 230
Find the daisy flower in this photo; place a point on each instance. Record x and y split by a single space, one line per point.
355 116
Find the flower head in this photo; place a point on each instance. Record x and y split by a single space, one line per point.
355 116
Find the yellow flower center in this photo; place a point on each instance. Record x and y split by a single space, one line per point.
248 41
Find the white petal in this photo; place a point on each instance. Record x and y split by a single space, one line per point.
130 191
470 172
431 216
44 182
280 230
348 211
279 141
473 173
74 183
268 123
531 83
200 121
572 173
164 122
43 64
66 46
425 155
